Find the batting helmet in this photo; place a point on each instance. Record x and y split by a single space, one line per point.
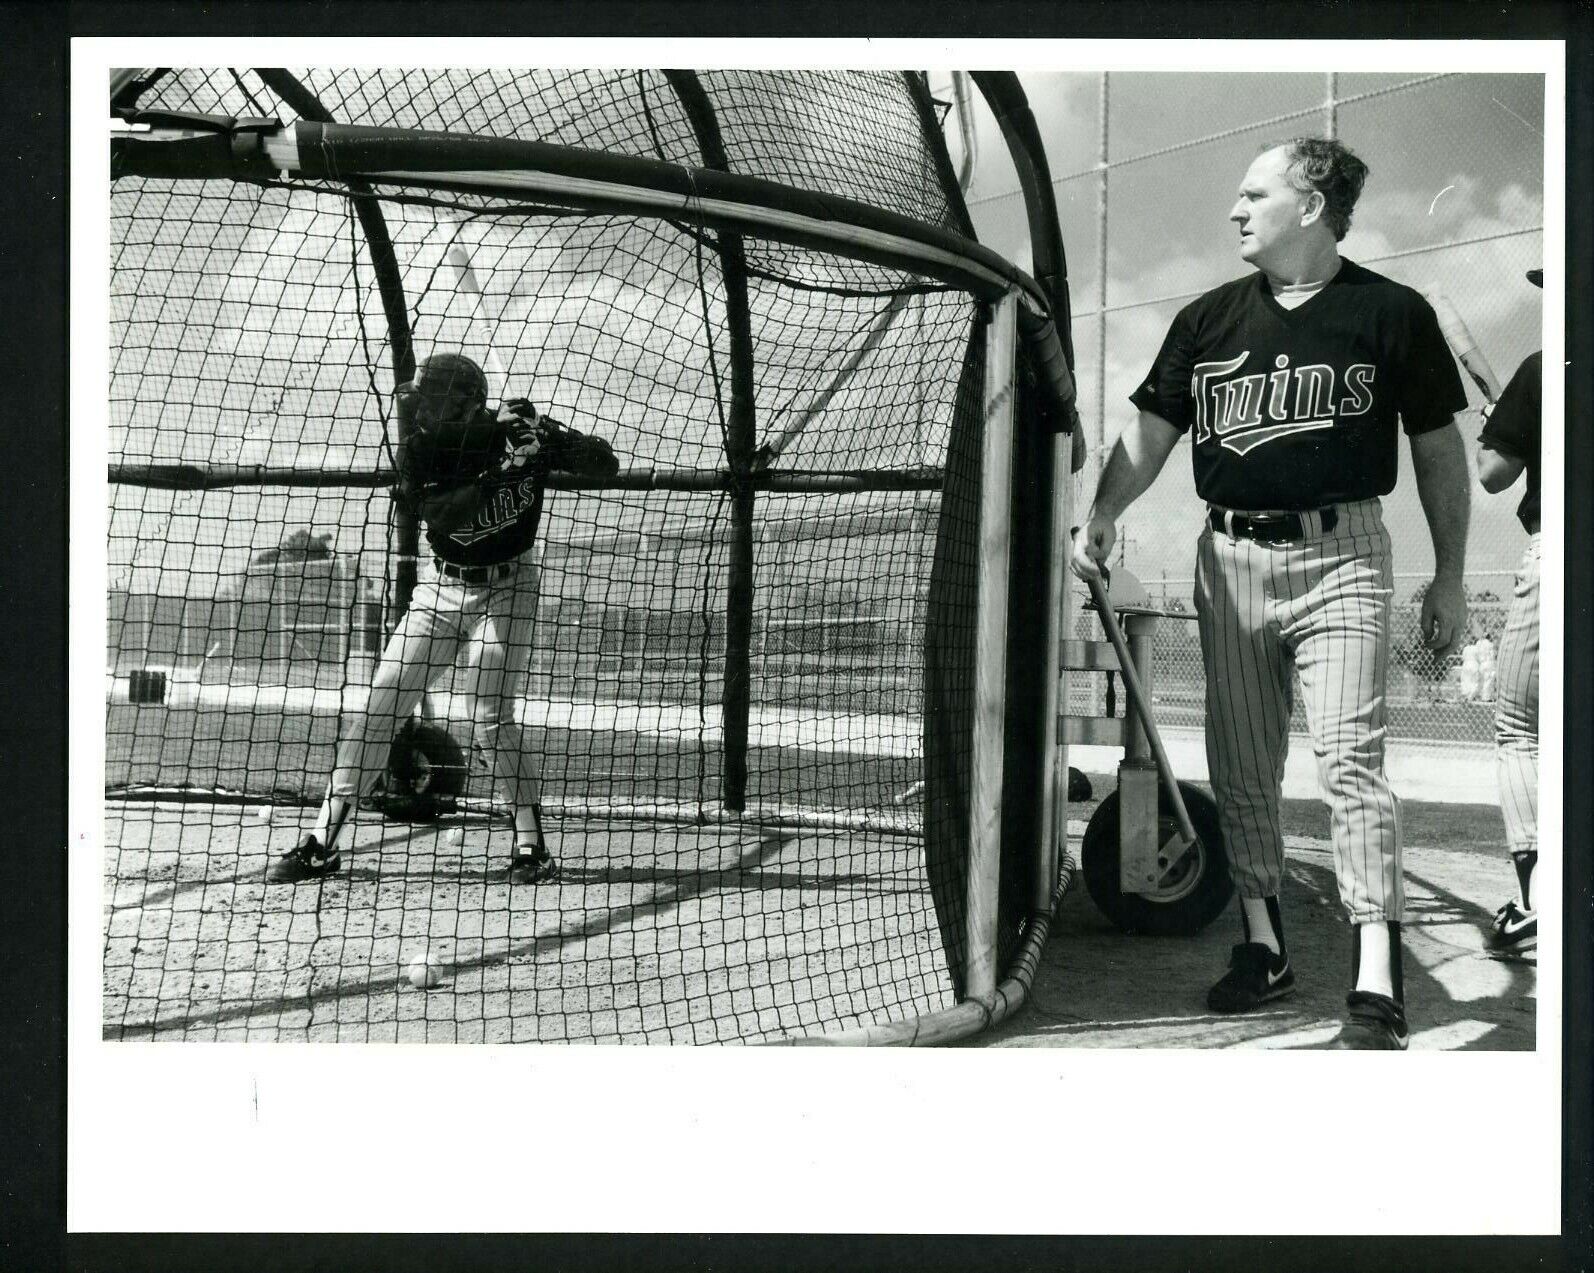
450 375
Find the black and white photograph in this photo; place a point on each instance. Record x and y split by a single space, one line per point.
954 585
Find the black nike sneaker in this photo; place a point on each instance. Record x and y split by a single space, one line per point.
533 868
309 861
1512 931
1256 976
1373 1023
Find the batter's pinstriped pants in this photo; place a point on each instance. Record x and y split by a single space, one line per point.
497 620
1320 606
1516 708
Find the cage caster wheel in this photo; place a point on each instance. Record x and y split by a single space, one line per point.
1189 896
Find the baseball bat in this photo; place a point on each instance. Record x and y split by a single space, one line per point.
1464 346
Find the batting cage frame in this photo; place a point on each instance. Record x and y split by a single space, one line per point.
978 482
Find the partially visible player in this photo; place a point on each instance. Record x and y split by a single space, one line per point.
1294 384
1508 448
476 478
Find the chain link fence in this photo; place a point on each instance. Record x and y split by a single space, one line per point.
1146 165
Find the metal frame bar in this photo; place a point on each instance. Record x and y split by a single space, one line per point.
405 525
200 477
744 205
741 431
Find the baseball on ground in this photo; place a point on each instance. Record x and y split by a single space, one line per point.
423 972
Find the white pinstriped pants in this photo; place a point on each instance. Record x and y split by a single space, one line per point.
1516 709
1322 607
497 618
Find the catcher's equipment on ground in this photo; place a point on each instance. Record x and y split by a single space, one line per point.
426 773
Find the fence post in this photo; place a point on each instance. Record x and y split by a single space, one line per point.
1099 451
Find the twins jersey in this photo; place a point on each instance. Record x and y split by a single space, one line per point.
505 526
1297 408
1513 429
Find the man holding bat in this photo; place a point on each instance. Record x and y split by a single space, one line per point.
1294 384
1508 449
477 478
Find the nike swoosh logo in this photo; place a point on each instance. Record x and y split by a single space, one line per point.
1273 978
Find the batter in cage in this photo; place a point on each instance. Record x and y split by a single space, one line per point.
477 479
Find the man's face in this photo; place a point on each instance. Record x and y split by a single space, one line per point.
1268 210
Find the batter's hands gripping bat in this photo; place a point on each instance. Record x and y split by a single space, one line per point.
1465 348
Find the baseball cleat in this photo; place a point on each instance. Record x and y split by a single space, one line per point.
309 861
1256 976
1512 931
1373 1023
533 868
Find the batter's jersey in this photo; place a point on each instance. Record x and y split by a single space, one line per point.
1513 429
505 525
1297 408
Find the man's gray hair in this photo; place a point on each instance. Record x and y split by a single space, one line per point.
1329 167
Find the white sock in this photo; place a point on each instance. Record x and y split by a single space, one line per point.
330 821
1258 923
527 835
1373 971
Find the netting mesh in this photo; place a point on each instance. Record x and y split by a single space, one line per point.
247 620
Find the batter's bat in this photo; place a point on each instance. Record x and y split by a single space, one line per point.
1464 346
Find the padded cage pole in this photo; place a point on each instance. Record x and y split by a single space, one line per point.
390 285
740 443
1054 764
990 651
1004 94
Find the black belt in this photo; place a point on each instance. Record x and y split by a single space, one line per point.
1268 528
474 574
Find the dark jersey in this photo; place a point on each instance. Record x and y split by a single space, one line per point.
505 524
1513 429
1297 408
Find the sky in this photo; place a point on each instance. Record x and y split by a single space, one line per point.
1168 237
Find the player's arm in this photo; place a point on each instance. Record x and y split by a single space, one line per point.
1429 395
1498 471
1132 466
1507 437
1439 459
588 455
448 510
432 487
583 454
554 444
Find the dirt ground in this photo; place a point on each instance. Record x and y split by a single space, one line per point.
651 934
1097 988
704 935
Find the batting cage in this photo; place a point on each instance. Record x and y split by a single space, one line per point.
786 682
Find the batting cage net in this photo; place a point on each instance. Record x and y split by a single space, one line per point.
727 663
